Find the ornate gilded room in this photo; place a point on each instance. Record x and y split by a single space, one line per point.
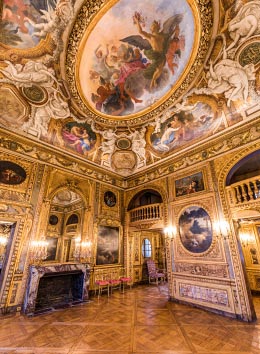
129 214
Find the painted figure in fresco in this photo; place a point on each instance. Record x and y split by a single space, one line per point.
171 134
79 138
114 96
125 72
14 12
193 186
156 44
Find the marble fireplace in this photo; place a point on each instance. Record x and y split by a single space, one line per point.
56 285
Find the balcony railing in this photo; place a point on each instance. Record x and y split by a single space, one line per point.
151 212
245 191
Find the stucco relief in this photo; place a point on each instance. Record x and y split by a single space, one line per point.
206 270
35 73
209 295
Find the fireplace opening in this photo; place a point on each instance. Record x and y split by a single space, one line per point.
58 290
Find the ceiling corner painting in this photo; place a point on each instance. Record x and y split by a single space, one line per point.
24 23
131 66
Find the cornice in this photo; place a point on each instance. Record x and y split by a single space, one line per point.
53 156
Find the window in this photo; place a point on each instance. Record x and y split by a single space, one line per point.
146 248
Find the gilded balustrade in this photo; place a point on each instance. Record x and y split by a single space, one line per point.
147 212
245 191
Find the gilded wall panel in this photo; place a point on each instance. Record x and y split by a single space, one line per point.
214 296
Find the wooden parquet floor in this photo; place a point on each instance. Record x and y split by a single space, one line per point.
141 320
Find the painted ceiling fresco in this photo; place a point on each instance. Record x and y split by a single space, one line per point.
25 23
134 64
101 96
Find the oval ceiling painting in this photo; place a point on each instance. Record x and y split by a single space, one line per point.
135 56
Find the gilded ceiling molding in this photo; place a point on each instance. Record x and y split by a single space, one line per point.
246 134
16 55
204 22
51 157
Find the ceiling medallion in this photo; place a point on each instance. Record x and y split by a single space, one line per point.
35 94
123 143
138 68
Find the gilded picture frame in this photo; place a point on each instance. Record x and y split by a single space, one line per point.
108 245
189 185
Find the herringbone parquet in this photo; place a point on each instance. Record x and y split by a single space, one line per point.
140 321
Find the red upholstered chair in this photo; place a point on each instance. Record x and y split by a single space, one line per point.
125 280
155 275
114 280
101 282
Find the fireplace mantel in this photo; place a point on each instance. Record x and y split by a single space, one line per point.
36 272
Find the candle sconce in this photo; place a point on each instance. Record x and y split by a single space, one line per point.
245 238
38 251
222 229
170 232
82 252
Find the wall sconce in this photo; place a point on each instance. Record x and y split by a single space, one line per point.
3 240
85 251
76 254
38 251
245 238
222 229
82 252
170 232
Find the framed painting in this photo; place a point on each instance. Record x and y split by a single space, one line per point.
189 185
11 173
110 199
195 229
107 245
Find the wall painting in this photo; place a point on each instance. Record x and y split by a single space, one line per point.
11 173
195 229
189 185
107 245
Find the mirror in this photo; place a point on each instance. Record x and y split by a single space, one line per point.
64 226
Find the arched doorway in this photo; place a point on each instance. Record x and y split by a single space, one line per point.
145 229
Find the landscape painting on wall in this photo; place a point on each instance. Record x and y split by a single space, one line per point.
195 229
107 245
189 185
